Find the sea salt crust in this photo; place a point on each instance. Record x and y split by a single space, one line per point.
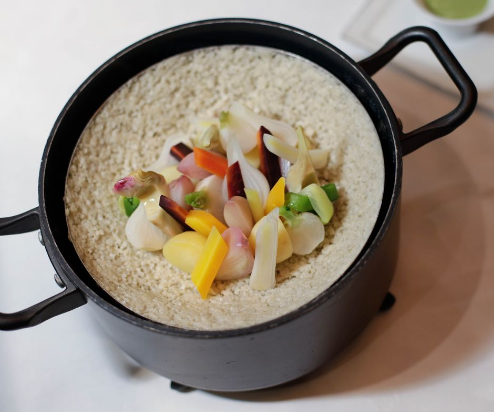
129 132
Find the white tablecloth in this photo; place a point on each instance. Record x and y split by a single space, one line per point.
434 351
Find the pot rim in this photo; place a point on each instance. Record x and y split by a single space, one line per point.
331 292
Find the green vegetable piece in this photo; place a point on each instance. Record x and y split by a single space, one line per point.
319 201
297 202
224 119
128 205
331 191
196 199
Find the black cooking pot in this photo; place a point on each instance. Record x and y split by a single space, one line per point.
282 349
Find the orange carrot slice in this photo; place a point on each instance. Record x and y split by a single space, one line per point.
212 162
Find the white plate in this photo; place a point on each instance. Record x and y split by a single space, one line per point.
380 20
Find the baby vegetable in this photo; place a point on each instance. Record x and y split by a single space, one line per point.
284 250
174 210
196 199
237 214
302 173
254 203
268 162
180 150
139 183
331 191
263 275
210 161
142 234
233 125
179 189
238 261
282 130
215 201
183 250
209 262
297 202
128 204
306 230
211 139
319 157
276 197
319 201
203 222
253 178
234 181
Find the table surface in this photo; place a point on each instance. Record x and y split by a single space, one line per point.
434 351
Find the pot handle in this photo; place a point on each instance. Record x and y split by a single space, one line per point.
65 301
444 125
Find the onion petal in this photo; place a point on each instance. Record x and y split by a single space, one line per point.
166 159
239 260
237 214
142 234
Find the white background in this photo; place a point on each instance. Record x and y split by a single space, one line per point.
434 351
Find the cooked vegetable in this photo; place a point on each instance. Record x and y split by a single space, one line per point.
237 214
285 249
179 189
142 234
174 210
159 217
331 191
263 275
276 197
215 201
302 173
238 261
254 203
128 204
319 157
189 167
183 250
281 130
319 201
269 163
234 181
306 230
203 222
210 161
197 199
209 262
253 178
298 202
139 183
180 150
232 125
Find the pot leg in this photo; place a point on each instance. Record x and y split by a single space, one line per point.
388 302
180 388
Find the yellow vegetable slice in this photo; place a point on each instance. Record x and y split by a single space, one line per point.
202 222
254 203
209 262
276 197
183 250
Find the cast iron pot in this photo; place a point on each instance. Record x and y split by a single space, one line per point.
282 349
